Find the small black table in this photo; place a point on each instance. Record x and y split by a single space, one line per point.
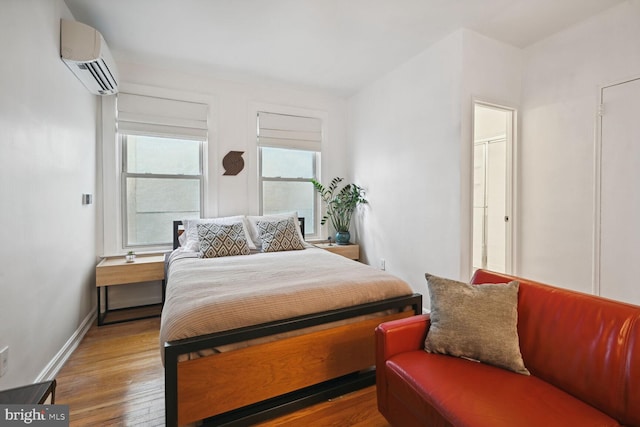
34 394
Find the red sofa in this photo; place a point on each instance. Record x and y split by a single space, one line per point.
583 353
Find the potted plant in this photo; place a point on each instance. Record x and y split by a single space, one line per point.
130 256
340 206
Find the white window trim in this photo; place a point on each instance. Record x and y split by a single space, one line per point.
111 176
253 162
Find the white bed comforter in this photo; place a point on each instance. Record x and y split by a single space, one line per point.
211 295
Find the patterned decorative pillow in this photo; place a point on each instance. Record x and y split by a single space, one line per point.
252 225
218 240
478 322
279 236
189 239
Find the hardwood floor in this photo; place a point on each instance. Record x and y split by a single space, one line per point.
115 378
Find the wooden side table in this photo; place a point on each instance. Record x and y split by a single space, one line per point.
114 271
33 394
348 251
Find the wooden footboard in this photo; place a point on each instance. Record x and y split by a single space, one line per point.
282 374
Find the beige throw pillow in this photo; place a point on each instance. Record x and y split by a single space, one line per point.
478 322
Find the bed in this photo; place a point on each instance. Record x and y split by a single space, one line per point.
249 337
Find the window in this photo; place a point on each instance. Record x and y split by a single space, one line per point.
162 180
162 145
289 158
285 183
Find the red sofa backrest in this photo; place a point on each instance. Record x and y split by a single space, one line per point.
586 345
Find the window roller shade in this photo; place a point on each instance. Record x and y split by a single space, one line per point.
145 115
288 131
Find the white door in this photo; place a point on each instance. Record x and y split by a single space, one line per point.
619 270
492 187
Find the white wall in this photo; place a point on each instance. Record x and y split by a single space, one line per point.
232 127
419 184
47 161
411 148
560 95
404 135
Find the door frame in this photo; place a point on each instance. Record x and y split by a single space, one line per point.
512 183
597 174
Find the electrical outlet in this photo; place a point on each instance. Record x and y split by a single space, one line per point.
4 360
382 264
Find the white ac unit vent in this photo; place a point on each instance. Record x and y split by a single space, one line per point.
87 55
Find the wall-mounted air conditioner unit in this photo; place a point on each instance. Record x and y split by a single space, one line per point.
85 52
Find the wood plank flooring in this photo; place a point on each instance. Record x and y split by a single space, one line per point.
115 378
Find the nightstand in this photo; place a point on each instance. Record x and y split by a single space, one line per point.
115 271
348 251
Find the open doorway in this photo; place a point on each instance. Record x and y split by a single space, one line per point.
493 136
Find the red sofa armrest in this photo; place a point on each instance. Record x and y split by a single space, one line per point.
394 337
402 335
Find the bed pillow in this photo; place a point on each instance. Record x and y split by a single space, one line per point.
218 240
191 241
478 322
252 225
280 235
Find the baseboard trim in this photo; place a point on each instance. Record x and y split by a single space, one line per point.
55 365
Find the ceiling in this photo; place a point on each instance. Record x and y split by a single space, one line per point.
333 45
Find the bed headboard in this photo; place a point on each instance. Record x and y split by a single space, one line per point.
178 229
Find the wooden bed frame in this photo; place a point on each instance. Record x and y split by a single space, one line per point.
252 384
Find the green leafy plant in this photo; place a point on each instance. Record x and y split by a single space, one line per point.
130 256
340 203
